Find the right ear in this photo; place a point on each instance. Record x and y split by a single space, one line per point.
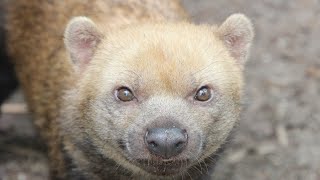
81 39
237 34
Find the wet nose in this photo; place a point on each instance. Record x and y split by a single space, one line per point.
166 142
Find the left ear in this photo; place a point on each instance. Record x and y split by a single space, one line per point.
237 34
81 39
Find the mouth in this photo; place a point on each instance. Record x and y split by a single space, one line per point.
163 167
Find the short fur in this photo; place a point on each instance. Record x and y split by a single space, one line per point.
148 46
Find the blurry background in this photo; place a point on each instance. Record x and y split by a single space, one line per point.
279 134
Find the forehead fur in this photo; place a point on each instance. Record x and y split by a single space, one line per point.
166 59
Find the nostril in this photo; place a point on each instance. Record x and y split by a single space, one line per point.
180 145
153 144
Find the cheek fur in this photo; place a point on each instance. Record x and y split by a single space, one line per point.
108 121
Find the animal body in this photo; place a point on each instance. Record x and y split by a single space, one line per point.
128 89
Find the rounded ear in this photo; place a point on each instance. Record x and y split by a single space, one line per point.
237 34
81 38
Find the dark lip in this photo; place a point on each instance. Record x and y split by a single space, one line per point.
163 168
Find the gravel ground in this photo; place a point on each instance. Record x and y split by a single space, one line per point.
278 136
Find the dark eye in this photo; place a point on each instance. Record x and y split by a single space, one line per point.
124 94
203 94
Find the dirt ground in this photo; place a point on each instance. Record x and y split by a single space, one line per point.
278 136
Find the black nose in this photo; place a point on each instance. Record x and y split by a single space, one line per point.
166 142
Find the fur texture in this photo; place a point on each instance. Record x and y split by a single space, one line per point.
147 46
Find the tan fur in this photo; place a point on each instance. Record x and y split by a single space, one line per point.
146 45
